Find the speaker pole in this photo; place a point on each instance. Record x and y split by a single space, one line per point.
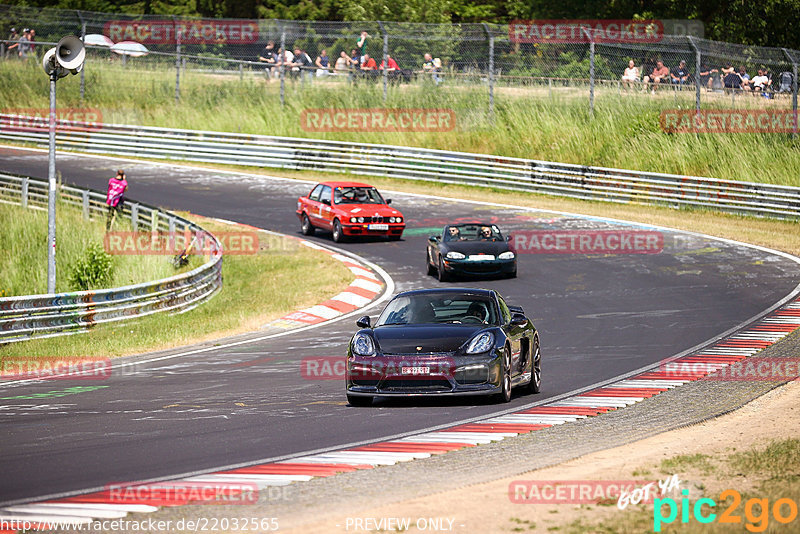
51 197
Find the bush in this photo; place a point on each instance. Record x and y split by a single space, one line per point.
92 271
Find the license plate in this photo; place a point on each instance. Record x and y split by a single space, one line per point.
416 370
378 227
481 257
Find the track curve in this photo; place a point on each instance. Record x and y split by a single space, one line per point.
598 316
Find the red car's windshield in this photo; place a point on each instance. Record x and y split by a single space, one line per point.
357 195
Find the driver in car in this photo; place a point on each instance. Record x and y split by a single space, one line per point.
486 233
454 234
477 310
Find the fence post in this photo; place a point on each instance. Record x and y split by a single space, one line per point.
282 70
791 59
177 59
490 38
241 71
697 62
25 192
591 70
83 70
135 217
85 204
385 59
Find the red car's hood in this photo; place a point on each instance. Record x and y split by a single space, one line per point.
371 210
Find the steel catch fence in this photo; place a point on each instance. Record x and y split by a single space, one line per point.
36 316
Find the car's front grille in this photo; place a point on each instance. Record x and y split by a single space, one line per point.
400 384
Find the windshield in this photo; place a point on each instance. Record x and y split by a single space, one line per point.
472 232
357 195
431 308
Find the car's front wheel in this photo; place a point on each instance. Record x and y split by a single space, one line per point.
358 401
535 385
443 276
431 268
338 234
305 226
505 381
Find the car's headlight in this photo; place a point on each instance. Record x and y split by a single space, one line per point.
391 219
481 343
361 219
455 256
353 219
363 345
398 219
508 255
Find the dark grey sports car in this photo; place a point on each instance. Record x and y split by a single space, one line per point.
470 249
458 341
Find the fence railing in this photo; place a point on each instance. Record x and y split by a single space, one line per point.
410 163
35 316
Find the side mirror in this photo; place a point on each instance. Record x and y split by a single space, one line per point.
326 201
363 322
508 238
433 239
388 201
517 319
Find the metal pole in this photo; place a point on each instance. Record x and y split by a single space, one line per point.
51 196
385 60
282 70
491 71
177 59
697 62
591 71
794 89
83 70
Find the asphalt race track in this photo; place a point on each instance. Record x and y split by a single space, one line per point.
598 316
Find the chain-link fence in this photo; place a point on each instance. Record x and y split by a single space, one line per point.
680 70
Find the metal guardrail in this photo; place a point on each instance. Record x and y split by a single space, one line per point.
516 174
36 316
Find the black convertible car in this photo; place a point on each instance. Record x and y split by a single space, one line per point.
470 249
456 341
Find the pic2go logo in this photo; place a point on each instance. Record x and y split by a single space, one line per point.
756 511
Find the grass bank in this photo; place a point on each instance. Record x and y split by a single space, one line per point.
257 288
529 122
23 235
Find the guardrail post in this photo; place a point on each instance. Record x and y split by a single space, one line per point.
490 38
591 70
153 221
697 62
281 69
241 71
385 60
135 217
794 89
177 59
85 204
83 70
24 199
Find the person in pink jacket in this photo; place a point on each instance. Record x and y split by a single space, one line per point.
114 199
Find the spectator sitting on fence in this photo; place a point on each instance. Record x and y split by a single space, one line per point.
433 66
392 64
269 57
323 63
301 66
761 83
707 75
114 197
285 59
342 63
660 73
13 42
680 74
368 66
631 74
730 78
745 78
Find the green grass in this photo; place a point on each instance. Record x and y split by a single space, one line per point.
257 288
529 122
23 236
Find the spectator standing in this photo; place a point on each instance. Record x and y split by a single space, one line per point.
433 66
361 44
32 38
680 74
13 43
24 48
631 74
660 73
323 63
269 57
114 197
